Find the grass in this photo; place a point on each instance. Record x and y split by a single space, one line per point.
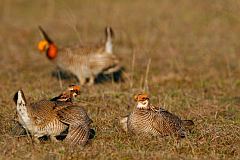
188 50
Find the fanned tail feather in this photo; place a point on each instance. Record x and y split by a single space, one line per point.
109 35
18 130
78 135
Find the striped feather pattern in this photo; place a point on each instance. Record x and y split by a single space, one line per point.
44 119
78 135
74 115
52 118
156 122
140 121
55 127
79 124
18 130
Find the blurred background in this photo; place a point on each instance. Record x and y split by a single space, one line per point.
190 47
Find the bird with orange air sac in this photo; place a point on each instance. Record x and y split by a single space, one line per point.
85 62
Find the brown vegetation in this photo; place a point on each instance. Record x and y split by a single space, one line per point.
188 50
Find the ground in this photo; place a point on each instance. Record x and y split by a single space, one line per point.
186 54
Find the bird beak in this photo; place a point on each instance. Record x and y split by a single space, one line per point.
75 94
136 97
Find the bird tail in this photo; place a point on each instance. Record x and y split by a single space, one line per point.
19 98
109 35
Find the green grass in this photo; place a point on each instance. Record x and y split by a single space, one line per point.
194 72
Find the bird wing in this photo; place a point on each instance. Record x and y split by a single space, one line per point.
165 122
79 124
18 130
43 112
82 50
103 62
78 134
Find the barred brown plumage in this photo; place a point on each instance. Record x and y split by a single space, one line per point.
66 96
51 118
86 62
149 119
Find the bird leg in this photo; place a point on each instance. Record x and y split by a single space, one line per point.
53 138
82 80
35 139
91 80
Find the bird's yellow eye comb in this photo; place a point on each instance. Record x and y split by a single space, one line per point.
76 88
141 97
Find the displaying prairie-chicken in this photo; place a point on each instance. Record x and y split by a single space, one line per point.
85 62
52 118
66 96
149 119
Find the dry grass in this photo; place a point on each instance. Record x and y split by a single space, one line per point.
194 71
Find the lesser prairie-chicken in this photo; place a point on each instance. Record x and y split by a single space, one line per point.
152 120
66 96
84 61
52 118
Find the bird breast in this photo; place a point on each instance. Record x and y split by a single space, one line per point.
140 121
92 63
75 63
55 127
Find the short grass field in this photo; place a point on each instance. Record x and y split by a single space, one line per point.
186 54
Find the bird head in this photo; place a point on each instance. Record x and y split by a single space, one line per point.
74 90
66 96
142 100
